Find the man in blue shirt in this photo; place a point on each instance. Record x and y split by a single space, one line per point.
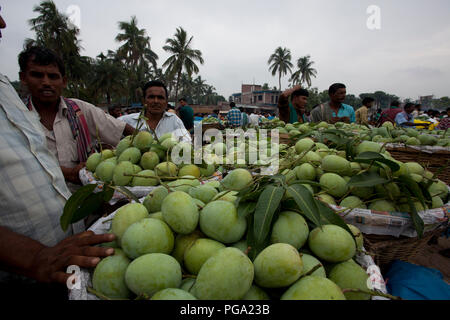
406 119
334 110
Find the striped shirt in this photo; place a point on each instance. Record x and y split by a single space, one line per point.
33 191
234 118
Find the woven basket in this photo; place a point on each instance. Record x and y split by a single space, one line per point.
385 249
405 154
444 175
206 126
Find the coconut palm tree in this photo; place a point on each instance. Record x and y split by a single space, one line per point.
136 53
136 49
280 62
200 88
304 72
109 77
183 57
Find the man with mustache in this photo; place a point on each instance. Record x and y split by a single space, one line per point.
335 110
159 121
70 125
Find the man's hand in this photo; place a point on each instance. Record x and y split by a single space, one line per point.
345 119
339 119
287 93
128 130
50 263
73 174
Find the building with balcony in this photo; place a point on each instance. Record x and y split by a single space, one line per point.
254 97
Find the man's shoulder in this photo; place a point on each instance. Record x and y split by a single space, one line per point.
317 108
348 107
133 116
81 103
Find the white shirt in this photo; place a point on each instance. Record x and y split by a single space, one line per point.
168 123
254 119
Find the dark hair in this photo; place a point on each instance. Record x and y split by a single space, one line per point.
335 87
182 99
300 92
41 56
232 104
418 105
408 105
395 103
367 100
448 109
155 83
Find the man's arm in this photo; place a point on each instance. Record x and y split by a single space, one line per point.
109 129
72 174
25 256
316 116
283 103
128 131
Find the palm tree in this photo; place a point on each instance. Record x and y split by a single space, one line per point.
304 72
200 88
280 61
109 76
183 57
136 49
136 53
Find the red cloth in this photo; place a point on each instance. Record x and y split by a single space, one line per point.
389 115
444 124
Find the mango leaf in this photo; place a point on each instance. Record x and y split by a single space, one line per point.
312 183
366 179
306 202
278 178
107 193
350 150
339 132
267 204
335 139
413 187
91 205
73 203
333 218
289 205
245 208
369 156
251 242
297 137
416 219
128 193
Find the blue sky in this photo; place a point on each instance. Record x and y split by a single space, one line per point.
408 56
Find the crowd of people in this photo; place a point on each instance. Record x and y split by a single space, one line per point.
45 141
292 108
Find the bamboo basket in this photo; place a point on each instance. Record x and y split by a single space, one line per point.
386 249
431 161
405 154
206 126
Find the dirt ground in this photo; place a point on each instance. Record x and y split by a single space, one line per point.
430 257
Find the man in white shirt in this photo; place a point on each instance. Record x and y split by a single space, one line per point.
254 119
159 121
